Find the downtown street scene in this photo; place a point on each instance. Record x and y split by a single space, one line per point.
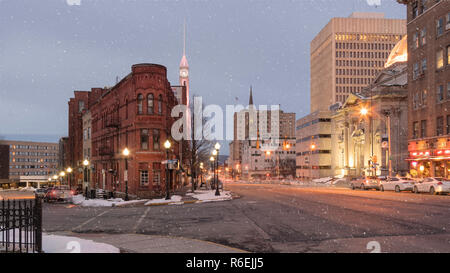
231 127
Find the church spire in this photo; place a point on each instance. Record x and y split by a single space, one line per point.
250 101
184 62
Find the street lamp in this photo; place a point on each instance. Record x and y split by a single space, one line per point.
212 159
217 148
85 164
69 170
167 146
126 153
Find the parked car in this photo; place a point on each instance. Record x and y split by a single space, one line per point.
433 185
58 194
397 184
41 192
365 183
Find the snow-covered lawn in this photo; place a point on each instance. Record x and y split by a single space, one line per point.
173 199
115 202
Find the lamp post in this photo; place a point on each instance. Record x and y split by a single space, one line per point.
61 177
365 112
212 159
167 146
85 176
313 147
125 154
201 174
69 171
217 149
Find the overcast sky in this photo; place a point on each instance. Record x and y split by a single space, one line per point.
49 48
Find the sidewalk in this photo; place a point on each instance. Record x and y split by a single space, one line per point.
139 243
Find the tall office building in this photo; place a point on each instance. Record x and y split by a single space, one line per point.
348 53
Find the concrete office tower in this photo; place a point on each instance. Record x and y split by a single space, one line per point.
348 53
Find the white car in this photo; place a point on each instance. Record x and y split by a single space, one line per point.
433 185
397 184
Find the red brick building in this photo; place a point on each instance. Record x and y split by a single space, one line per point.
134 114
428 27
74 145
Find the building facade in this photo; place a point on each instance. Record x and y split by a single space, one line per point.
134 114
369 133
428 27
31 162
4 164
347 55
313 146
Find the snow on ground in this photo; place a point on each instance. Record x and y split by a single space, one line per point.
174 198
81 201
210 196
65 244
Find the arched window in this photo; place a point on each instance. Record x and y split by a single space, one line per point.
150 104
160 104
140 100
126 108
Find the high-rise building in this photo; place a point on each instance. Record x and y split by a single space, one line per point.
429 86
348 53
31 162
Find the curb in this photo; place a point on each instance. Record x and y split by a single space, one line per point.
191 202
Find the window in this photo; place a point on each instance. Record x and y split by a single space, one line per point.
144 139
80 106
415 41
424 98
424 65
415 130
447 26
415 71
140 100
416 101
160 104
126 108
143 178
440 94
423 128
448 125
157 177
423 36
440 126
448 55
439 27
440 59
156 137
448 90
150 104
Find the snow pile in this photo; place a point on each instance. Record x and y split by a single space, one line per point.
210 196
28 189
173 199
322 180
81 201
64 244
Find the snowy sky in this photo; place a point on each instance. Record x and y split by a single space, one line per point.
49 48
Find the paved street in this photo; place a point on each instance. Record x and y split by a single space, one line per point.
275 218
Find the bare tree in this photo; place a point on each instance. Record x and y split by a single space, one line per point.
198 150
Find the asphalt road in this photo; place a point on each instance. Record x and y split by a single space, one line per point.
275 218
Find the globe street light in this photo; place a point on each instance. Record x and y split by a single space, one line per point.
167 146
126 153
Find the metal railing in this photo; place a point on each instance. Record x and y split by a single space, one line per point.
21 226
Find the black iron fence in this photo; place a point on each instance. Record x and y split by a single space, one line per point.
21 226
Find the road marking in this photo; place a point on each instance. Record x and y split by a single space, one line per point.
90 220
140 220
264 234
